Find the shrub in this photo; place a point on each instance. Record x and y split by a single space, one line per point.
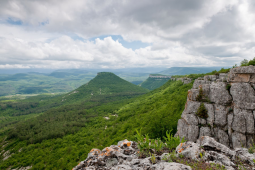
171 141
157 144
153 158
202 112
145 144
200 95
252 62
143 141
244 62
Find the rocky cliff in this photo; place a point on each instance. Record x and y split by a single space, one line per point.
185 80
229 102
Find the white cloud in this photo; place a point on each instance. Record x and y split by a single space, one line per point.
182 33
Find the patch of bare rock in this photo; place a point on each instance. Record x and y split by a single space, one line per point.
124 156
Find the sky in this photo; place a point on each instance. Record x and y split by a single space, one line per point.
60 34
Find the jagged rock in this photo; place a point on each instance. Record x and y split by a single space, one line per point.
209 143
221 114
122 167
230 108
219 93
223 137
241 74
193 133
217 158
191 119
192 94
189 150
243 95
205 131
187 81
195 92
211 151
207 149
243 154
116 157
249 120
111 162
223 75
201 121
238 140
239 121
198 82
210 112
182 129
94 152
191 107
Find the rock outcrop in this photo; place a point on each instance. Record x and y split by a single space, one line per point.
124 156
230 103
207 150
185 80
210 151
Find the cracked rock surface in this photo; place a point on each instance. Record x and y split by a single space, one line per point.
124 157
229 99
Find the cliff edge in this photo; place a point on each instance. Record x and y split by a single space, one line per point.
223 107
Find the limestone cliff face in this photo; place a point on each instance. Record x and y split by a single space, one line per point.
185 80
230 103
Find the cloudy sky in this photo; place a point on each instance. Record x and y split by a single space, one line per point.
125 33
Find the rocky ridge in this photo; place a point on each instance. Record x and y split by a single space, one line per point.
230 102
185 80
125 156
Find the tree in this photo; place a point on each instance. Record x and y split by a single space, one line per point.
244 62
252 62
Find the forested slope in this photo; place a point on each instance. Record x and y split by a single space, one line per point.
86 127
153 83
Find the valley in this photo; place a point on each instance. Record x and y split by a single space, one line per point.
49 131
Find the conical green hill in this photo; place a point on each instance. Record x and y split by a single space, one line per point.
105 83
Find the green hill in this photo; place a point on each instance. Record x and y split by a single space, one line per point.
153 83
104 83
188 70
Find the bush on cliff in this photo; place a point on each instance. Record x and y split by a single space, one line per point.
202 112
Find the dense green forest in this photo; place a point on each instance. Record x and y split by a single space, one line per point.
153 83
62 135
